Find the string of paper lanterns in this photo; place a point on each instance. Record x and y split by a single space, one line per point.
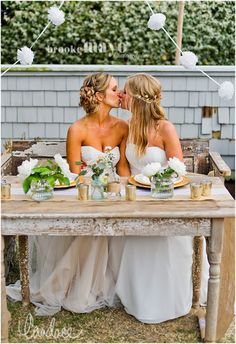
25 55
156 22
188 59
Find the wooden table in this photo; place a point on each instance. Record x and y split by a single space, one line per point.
65 215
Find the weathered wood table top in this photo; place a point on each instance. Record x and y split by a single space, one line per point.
66 215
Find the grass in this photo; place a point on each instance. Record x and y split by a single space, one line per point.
103 326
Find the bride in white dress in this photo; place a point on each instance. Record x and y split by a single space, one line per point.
153 274
72 272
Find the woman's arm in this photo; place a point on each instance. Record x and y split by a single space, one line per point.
73 147
171 140
123 166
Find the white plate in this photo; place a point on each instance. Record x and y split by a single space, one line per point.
177 179
140 178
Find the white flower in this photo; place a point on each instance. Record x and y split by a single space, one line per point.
25 55
26 167
151 169
188 60
177 165
56 16
91 162
226 90
156 21
62 163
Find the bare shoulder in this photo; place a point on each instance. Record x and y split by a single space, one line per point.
166 128
78 126
121 124
77 129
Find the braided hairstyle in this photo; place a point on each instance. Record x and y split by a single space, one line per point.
97 82
145 106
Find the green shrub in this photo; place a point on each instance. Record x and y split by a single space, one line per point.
116 32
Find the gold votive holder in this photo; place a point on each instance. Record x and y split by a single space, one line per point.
195 190
83 192
113 189
206 188
130 192
5 190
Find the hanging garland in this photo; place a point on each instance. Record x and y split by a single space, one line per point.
188 59
25 55
156 22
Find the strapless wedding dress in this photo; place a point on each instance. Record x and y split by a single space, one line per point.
69 272
153 274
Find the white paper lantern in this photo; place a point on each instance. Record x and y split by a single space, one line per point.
156 21
25 55
226 90
188 60
56 16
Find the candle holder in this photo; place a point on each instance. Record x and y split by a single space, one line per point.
130 192
83 192
5 190
113 189
195 190
206 188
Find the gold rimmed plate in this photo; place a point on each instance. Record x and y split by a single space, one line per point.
72 184
63 186
182 182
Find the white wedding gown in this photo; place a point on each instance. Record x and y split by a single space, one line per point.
69 272
153 274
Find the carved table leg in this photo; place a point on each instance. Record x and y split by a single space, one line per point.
197 269
24 272
214 253
6 316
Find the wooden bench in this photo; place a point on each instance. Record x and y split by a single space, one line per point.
197 158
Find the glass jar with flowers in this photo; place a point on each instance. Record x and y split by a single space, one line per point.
162 178
95 169
101 171
40 177
113 186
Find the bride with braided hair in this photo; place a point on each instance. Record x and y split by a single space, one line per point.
98 128
153 274
72 272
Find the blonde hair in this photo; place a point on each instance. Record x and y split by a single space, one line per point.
145 91
97 82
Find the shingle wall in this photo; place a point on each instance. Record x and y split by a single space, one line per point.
43 102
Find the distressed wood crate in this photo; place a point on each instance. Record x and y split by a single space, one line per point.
196 153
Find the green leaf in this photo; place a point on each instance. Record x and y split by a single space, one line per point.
50 161
66 181
35 178
26 184
79 162
63 180
42 170
83 172
51 181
